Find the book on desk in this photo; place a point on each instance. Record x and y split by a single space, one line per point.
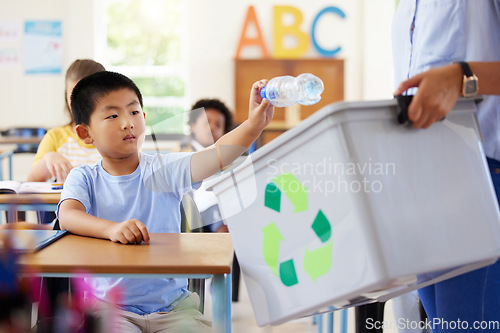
13 187
27 240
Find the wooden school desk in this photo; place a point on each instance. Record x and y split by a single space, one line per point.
184 255
19 140
21 143
7 153
27 202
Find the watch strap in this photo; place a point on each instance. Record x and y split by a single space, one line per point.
465 68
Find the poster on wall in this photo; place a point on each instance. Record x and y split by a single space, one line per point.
9 32
9 57
10 37
43 47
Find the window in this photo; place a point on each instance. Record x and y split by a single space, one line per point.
145 42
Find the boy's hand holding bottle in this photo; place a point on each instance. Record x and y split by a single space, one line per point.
230 146
260 109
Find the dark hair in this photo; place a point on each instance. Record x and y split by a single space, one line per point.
89 89
215 104
79 69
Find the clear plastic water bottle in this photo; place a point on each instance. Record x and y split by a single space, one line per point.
287 90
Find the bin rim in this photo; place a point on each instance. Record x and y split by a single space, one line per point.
318 116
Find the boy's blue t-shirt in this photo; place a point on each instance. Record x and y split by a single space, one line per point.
151 194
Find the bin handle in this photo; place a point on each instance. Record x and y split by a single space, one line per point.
403 103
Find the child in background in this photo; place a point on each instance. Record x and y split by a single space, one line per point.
209 120
129 194
61 149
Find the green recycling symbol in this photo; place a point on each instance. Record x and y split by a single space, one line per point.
316 262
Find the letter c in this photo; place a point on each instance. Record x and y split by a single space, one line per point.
322 51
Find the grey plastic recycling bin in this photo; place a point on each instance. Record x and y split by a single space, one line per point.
350 207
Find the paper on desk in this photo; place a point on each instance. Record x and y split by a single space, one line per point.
12 186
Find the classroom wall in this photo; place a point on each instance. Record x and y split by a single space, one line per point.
38 100
364 37
213 30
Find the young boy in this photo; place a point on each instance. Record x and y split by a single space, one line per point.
128 194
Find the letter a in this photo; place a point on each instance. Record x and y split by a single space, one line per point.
255 41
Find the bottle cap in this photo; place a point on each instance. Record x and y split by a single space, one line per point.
263 92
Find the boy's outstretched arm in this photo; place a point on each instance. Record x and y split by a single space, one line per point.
72 217
230 146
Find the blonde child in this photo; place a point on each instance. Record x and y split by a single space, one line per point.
60 149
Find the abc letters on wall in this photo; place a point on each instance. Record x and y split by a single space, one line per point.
280 30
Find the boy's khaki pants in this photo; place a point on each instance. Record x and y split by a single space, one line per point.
184 318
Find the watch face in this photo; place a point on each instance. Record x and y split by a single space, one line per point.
470 87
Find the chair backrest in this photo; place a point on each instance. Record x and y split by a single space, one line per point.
190 215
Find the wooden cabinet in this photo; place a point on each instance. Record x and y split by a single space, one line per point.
247 71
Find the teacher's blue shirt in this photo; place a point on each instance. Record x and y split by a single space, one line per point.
434 33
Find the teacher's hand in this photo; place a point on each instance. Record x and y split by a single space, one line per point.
438 91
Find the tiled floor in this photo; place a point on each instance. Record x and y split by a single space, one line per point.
243 320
